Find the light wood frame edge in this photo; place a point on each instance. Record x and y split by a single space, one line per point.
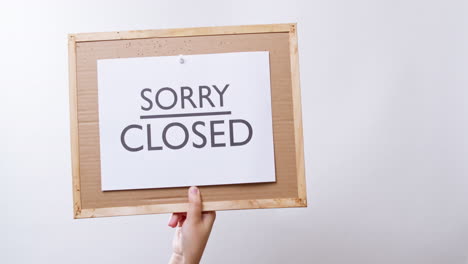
182 207
74 139
180 32
297 111
301 201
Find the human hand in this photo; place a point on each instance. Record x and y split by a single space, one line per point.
193 230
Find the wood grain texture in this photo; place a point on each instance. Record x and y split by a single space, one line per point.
287 191
181 32
298 134
182 207
74 126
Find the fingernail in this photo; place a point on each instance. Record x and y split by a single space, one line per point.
193 190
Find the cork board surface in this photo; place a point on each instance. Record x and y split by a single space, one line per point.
87 54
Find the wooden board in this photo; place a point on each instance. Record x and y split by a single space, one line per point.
279 39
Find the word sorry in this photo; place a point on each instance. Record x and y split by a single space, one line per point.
184 96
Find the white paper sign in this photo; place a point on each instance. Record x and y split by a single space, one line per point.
172 122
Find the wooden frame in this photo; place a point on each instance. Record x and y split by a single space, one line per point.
298 200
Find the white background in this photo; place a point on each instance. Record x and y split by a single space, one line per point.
384 90
120 82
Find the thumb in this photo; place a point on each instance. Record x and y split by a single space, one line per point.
195 205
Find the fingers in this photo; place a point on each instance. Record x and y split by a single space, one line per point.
177 219
174 220
194 213
195 205
209 217
182 220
